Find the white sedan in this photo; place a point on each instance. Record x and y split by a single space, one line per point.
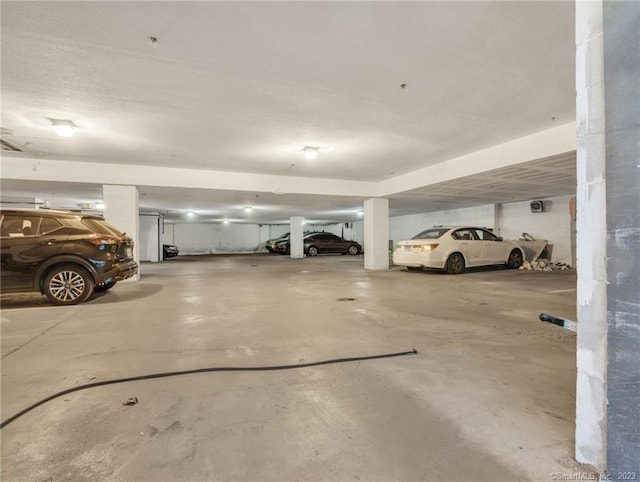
456 248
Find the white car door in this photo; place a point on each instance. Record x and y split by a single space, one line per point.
469 246
492 247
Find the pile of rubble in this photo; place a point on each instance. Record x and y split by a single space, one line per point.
543 264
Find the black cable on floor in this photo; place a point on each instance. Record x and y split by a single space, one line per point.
202 370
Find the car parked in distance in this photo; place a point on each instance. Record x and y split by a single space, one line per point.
169 251
65 256
455 248
271 244
321 243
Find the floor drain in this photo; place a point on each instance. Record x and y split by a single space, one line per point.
346 299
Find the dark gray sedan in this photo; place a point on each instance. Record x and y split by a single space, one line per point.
320 243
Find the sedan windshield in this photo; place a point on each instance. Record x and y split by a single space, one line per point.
433 233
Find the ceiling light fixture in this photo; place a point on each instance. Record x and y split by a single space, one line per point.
248 209
225 221
190 214
310 152
361 213
62 127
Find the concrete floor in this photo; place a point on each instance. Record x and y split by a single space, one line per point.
490 396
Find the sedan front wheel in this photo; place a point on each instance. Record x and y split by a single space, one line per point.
515 259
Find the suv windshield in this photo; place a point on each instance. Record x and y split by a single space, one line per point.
433 233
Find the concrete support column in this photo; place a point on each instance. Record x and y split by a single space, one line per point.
608 233
296 230
121 210
591 426
376 233
621 26
497 219
150 246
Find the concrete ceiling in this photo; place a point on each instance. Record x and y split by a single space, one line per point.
244 86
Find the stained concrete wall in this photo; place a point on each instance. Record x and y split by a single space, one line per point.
553 224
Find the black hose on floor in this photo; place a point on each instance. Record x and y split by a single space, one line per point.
202 370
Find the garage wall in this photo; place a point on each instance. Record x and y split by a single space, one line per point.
210 238
513 219
405 227
201 238
167 236
553 224
277 230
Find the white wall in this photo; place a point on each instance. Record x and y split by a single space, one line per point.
149 238
355 232
200 238
167 236
277 230
204 238
406 227
553 224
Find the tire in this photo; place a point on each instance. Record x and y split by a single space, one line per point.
515 259
454 264
104 287
353 250
68 285
312 251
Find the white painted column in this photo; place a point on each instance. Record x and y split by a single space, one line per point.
295 238
497 219
121 210
591 385
376 233
149 238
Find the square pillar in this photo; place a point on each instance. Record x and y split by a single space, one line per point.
376 234
608 228
121 210
296 247
621 28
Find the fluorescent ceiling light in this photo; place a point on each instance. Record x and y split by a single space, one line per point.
310 152
361 213
63 128
190 214
248 209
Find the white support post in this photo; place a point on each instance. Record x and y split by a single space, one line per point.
296 246
121 210
376 234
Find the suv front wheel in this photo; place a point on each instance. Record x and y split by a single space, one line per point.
68 285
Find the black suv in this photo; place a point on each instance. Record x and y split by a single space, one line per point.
66 256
